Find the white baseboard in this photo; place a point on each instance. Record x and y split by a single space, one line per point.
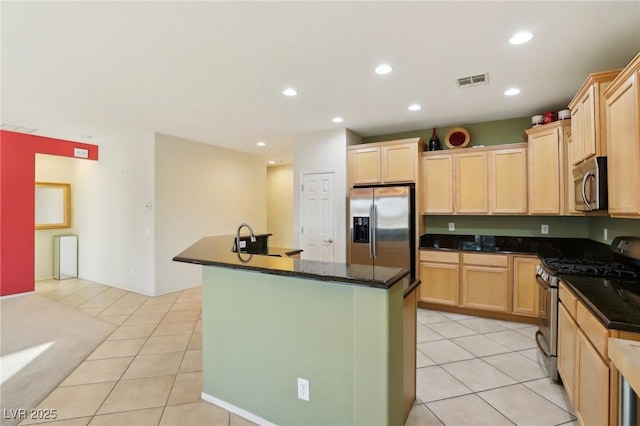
11 296
235 410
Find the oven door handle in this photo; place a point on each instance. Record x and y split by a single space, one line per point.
542 283
538 334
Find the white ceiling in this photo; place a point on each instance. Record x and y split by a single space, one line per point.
214 71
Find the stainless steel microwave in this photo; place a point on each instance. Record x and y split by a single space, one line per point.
590 185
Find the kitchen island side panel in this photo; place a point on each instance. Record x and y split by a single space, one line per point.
262 331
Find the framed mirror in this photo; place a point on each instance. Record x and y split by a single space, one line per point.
53 205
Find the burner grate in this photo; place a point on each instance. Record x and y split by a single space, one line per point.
592 268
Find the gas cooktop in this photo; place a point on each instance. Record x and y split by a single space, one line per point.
591 268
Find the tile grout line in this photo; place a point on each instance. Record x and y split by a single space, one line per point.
135 356
118 326
509 350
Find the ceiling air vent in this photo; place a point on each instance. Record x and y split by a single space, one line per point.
473 80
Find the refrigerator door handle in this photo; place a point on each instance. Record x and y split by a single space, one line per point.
374 225
371 231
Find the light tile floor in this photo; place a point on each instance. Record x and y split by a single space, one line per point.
471 371
478 371
147 372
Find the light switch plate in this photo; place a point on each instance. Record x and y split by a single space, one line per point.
452 226
544 229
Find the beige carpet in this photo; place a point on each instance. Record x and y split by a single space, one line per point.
41 343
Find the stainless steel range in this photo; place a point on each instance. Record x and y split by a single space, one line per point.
621 265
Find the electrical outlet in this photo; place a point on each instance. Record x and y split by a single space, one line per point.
605 234
544 229
452 226
243 244
303 389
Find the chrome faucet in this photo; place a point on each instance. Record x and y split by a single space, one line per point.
251 234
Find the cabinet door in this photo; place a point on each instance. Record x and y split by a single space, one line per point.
583 126
592 384
440 283
544 172
398 163
525 287
624 149
472 183
365 164
577 130
485 288
588 117
437 184
508 192
567 333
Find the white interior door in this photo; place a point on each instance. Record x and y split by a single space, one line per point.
318 217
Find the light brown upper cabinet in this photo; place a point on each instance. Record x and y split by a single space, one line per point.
437 172
547 168
623 135
472 182
508 176
384 162
588 123
489 180
365 165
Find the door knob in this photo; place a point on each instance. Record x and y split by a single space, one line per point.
328 241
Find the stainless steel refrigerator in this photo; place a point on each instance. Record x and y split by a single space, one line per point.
381 231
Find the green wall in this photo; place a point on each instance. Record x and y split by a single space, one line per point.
615 228
529 226
487 133
518 226
261 332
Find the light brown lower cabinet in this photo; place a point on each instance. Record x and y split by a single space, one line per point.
480 281
440 275
485 282
485 288
592 384
582 361
568 330
525 287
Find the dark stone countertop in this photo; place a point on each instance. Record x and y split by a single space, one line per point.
580 248
615 303
216 251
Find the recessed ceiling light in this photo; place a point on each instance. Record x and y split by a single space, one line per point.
383 69
520 38
415 107
290 91
511 92
261 143
337 120
272 161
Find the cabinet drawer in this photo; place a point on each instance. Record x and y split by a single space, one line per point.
597 334
439 256
568 300
485 259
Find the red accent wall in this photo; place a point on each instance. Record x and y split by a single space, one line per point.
17 204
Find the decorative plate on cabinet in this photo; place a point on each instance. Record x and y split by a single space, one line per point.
457 138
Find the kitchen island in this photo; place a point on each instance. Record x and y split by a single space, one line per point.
269 321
